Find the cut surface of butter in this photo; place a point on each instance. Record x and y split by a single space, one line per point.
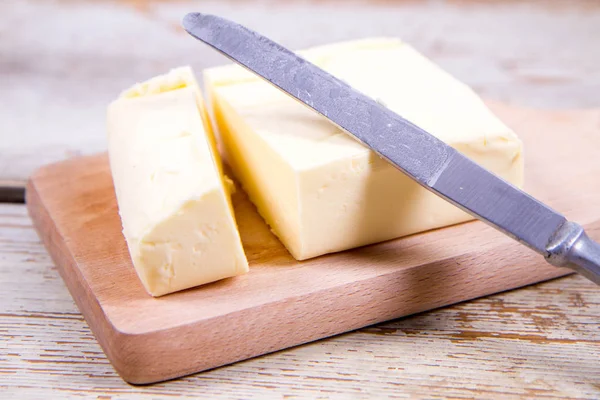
319 189
173 200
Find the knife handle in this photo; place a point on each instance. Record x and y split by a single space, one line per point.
571 247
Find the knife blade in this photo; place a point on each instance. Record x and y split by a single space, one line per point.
426 159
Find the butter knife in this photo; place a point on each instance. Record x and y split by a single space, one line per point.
426 159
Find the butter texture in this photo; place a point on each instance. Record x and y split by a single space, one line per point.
319 189
173 199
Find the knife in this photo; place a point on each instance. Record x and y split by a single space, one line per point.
426 159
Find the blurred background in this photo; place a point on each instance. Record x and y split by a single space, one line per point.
62 62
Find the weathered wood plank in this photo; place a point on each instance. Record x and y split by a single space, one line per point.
55 90
537 342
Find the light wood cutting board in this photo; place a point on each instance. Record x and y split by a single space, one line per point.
282 302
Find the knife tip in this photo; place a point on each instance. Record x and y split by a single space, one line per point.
201 25
191 20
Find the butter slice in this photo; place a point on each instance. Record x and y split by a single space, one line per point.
320 190
173 199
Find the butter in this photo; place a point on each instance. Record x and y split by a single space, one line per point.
319 189
173 199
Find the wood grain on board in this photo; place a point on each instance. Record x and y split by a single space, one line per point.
59 74
281 302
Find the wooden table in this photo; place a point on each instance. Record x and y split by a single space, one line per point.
537 342
541 341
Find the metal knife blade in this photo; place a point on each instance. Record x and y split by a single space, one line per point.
423 157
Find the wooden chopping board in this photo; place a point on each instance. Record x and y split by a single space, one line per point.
282 302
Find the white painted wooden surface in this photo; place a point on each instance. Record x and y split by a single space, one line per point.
539 342
61 62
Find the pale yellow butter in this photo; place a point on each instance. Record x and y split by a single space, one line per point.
323 192
172 197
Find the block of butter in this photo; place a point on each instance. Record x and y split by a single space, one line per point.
320 190
172 196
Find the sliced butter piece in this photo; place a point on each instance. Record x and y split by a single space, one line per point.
323 192
173 199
